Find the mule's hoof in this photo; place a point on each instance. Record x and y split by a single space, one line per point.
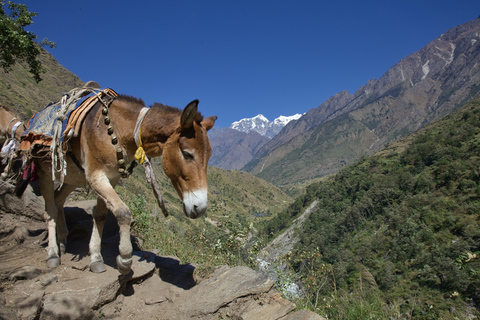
124 265
97 267
63 248
53 262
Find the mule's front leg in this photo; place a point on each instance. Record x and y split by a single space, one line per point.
124 219
101 184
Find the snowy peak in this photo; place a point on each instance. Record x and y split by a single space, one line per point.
262 125
260 117
258 123
283 120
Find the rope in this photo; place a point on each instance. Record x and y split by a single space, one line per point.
68 101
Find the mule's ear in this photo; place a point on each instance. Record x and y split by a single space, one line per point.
209 122
188 115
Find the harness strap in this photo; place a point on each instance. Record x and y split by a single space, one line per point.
136 132
15 127
140 153
142 158
8 125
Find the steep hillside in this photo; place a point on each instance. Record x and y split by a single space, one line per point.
21 94
421 88
396 235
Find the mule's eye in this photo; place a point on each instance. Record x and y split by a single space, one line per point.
187 155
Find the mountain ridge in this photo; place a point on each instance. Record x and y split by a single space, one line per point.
419 89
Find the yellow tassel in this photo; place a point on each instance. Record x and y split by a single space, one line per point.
140 153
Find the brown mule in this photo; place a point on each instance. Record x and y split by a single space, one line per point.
180 137
11 129
7 123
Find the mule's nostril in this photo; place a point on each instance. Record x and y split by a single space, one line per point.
199 210
195 203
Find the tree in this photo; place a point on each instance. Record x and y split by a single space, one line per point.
17 44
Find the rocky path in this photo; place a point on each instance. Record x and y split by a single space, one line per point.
160 287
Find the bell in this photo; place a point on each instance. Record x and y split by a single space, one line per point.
105 111
110 130
121 170
114 140
107 120
121 162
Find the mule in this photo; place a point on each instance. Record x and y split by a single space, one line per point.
11 130
179 137
9 122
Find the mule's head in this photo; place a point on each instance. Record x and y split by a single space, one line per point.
185 157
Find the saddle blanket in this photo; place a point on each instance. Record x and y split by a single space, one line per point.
40 128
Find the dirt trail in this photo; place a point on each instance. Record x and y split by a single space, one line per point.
160 287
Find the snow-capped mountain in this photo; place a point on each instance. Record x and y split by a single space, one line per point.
262 125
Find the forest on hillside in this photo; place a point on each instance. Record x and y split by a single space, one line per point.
397 234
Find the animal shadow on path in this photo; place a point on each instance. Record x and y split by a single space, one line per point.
80 222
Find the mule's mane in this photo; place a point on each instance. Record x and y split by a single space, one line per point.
130 99
168 109
5 108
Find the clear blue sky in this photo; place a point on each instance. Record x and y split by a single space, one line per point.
240 58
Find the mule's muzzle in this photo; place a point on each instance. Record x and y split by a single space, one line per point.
195 212
195 203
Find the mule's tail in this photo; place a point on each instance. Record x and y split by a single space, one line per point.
22 184
24 176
